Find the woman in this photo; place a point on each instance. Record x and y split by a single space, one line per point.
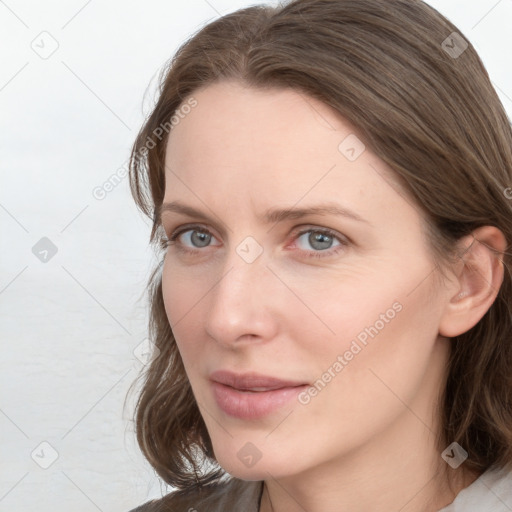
330 180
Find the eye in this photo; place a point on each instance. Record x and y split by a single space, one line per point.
197 236
321 240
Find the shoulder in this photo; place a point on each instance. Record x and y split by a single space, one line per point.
232 494
490 492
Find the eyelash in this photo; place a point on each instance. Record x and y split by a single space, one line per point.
172 240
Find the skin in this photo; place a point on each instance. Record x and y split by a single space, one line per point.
367 440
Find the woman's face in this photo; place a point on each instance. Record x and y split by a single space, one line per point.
353 313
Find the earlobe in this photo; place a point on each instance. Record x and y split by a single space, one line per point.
479 278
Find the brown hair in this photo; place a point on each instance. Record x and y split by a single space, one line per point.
431 114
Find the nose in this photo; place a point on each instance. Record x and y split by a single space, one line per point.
240 305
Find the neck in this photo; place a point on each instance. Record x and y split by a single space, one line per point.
397 483
399 468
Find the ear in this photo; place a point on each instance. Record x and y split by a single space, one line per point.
479 278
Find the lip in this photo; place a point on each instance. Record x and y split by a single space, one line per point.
246 381
231 392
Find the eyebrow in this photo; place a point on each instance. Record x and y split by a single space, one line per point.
272 215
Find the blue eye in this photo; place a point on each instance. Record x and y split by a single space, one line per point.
202 238
198 238
320 239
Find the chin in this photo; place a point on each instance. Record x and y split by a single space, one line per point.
237 469
264 467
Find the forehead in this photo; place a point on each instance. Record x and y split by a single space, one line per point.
260 132
230 108
263 147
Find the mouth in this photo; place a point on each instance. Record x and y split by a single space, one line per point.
258 390
252 381
250 401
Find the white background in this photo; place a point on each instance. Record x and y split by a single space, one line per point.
69 326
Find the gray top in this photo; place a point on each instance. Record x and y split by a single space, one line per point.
490 492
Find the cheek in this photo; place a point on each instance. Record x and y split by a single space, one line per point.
181 305
382 351
186 287
380 303
387 324
182 292
339 310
